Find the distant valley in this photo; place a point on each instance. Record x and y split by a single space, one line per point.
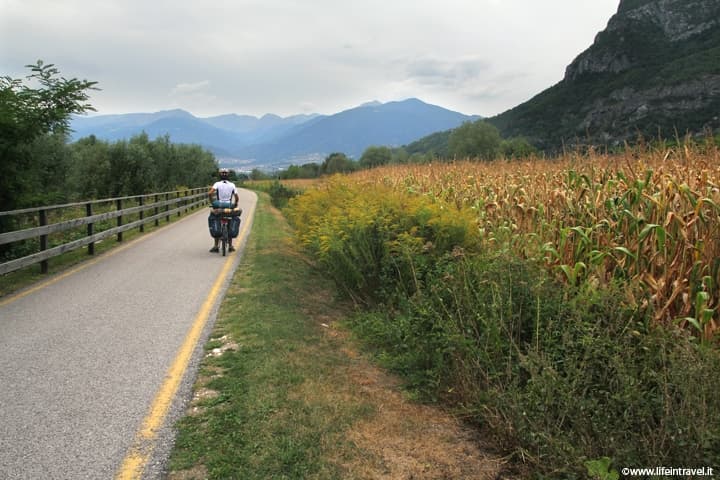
244 141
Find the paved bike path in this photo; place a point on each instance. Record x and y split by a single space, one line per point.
82 359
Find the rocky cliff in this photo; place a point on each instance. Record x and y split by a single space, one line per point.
655 71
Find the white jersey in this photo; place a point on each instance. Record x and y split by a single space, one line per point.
224 191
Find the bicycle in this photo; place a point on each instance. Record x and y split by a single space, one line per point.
225 233
221 216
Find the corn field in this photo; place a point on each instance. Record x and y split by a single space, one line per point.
647 217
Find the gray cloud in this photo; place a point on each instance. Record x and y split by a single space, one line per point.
445 72
190 88
286 57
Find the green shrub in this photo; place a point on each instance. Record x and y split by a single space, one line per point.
280 194
458 336
376 243
601 384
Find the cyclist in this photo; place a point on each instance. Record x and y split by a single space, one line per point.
224 191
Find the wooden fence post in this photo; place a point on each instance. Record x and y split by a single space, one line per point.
43 240
142 214
90 229
119 220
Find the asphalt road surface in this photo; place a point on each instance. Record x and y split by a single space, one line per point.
83 358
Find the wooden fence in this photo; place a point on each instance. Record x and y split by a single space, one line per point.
84 223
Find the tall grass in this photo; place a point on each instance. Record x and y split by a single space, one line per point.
568 306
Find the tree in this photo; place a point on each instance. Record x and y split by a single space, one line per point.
257 174
26 114
517 147
337 163
193 166
400 155
375 156
309 170
293 171
89 175
476 139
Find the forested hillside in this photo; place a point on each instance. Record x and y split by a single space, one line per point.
653 71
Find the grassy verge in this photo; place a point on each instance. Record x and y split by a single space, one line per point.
283 393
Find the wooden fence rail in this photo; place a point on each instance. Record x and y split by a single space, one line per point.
81 214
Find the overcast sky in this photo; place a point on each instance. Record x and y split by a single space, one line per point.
301 56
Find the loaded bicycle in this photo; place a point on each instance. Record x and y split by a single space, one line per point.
224 224
224 219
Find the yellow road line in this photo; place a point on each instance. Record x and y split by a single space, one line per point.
140 452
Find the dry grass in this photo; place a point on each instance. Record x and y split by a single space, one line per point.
403 439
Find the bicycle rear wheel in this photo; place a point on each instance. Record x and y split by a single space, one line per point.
225 235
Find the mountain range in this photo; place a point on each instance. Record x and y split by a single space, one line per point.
244 140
